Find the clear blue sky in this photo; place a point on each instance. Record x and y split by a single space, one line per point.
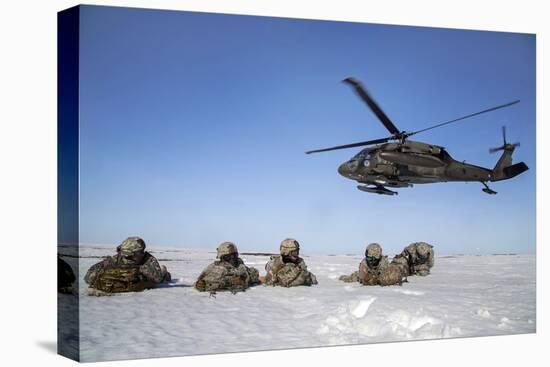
194 127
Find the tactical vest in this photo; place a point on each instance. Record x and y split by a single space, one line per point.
121 278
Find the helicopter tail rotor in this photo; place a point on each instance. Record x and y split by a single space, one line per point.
505 145
504 169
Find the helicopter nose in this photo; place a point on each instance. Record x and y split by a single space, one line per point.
344 170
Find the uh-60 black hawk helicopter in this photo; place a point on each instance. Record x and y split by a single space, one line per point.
403 162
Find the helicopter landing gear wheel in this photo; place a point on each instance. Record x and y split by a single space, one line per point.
487 189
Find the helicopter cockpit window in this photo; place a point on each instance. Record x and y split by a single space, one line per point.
352 164
363 155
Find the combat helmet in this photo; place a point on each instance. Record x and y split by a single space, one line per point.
226 248
423 249
131 245
374 250
289 245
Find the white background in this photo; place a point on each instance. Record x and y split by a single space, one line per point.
28 181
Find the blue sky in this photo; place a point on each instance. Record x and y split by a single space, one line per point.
193 129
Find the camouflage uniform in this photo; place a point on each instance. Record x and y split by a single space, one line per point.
420 258
228 273
288 272
378 271
131 254
402 263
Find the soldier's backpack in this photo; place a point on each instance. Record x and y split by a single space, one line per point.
230 283
390 275
219 278
121 278
304 278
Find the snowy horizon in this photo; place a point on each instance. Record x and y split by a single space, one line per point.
311 250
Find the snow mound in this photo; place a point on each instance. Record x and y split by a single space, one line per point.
362 307
504 324
419 326
353 321
482 312
409 292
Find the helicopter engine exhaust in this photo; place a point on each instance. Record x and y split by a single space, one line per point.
410 159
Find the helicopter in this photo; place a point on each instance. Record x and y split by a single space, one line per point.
397 162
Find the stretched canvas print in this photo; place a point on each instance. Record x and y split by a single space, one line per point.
233 183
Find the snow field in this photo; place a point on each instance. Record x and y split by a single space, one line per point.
464 296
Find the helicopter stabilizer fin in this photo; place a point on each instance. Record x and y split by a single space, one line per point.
504 169
515 169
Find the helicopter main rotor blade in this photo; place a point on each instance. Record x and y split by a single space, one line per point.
463 117
369 142
362 92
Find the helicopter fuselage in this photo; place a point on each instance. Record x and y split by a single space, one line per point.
410 162
395 161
